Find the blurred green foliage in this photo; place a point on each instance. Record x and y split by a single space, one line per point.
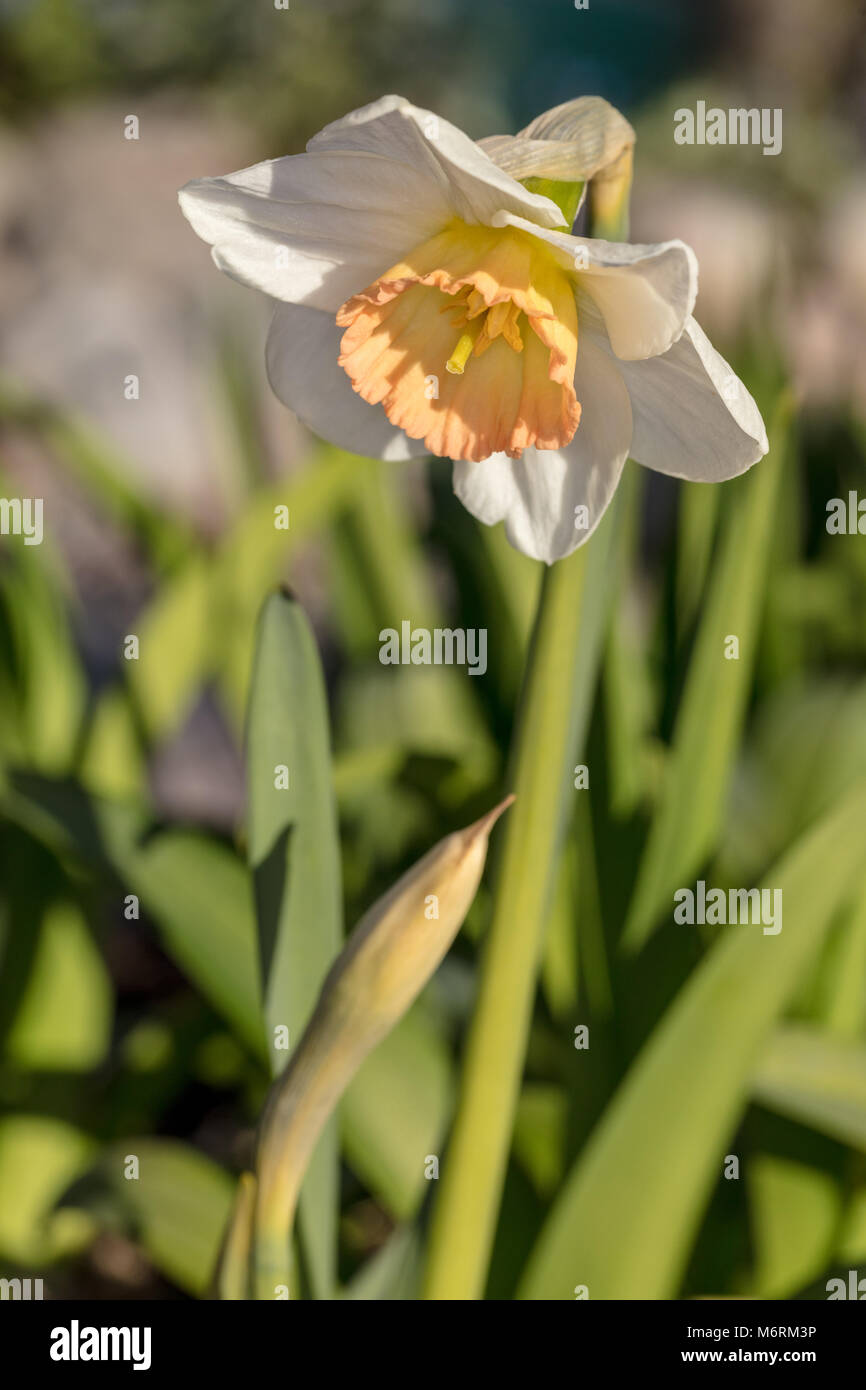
132 1009
91 1070
256 61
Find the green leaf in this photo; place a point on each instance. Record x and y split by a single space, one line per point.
626 1218
39 1157
839 994
807 746
851 1246
202 617
255 555
817 1078
560 963
627 688
393 1273
539 1135
696 531
795 1211
63 1021
395 1111
178 1204
294 854
432 709
198 893
112 761
52 689
196 890
176 642
686 825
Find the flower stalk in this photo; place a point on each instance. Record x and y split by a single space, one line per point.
609 194
557 686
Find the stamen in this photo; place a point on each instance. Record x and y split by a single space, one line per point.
511 330
476 304
429 308
456 302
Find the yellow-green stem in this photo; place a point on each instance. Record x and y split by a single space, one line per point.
231 1280
470 1188
298 1107
555 699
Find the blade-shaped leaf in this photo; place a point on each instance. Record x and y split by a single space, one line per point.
52 690
39 1157
176 641
195 888
393 1273
395 1111
294 853
63 1021
626 1218
817 1078
255 554
795 1213
178 1203
713 704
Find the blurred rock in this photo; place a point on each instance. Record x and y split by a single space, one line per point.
101 277
198 775
736 238
803 50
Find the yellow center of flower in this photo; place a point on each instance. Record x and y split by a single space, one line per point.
469 344
483 325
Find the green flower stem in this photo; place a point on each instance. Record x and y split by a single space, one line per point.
555 706
609 194
556 700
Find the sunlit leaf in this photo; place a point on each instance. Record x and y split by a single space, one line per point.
709 720
294 853
394 1113
627 1216
817 1078
63 1021
194 887
177 1202
39 1157
795 1212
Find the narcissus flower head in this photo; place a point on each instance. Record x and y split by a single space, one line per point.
432 300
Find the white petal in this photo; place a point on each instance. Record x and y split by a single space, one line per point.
537 496
476 189
539 159
316 229
573 141
591 125
693 417
302 350
645 294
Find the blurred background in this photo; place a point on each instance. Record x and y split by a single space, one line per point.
159 523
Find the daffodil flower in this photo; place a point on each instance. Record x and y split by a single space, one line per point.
429 302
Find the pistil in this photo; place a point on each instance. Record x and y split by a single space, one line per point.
456 363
